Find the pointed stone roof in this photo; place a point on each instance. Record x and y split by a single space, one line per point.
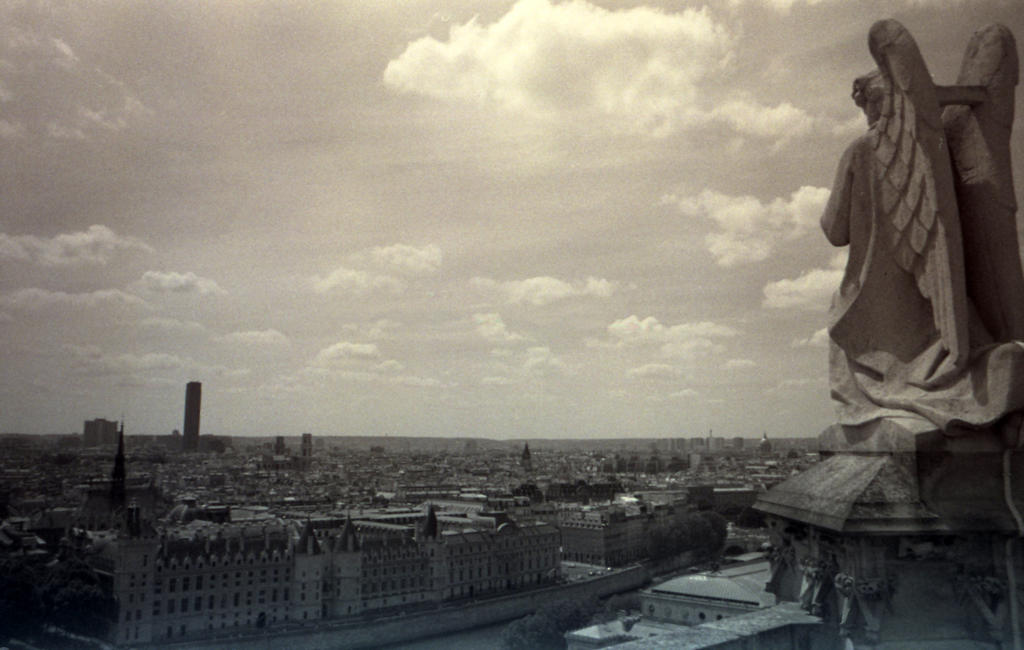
429 528
348 539
308 543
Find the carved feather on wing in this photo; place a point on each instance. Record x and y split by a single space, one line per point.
915 183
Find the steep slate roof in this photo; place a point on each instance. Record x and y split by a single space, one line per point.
854 493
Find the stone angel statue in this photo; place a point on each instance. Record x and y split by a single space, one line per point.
927 319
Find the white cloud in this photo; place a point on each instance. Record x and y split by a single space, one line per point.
346 351
541 361
358 282
839 258
784 6
174 282
171 325
818 339
654 371
66 57
389 366
34 298
802 385
11 130
355 362
69 98
397 258
748 117
633 330
734 364
496 380
269 337
91 360
418 382
686 392
638 68
682 341
747 230
812 290
544 290
59 131
691 348
376 330
96 245
492 328
408 259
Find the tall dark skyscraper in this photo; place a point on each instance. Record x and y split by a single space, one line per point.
193 397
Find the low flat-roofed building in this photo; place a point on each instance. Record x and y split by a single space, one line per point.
702 597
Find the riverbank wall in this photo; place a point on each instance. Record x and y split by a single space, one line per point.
446 619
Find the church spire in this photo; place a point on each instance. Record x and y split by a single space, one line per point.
526 461
117 488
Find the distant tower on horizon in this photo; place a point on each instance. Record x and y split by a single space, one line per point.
99 432
193 398
306 457
527 462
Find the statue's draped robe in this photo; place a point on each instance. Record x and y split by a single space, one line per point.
886 357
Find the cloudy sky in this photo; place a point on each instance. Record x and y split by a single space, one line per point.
492 218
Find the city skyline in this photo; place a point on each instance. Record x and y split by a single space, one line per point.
503 219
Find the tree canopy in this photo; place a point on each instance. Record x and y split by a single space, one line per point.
545 630
67 594
702 533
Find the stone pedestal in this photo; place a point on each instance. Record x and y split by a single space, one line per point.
904 537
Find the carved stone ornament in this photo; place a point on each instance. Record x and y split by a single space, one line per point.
988 595
817 575
862 601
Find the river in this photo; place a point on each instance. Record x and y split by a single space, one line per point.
482 637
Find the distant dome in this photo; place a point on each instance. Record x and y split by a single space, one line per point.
510 526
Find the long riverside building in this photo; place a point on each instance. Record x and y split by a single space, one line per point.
204 579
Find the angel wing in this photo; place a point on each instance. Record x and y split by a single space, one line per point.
915 183
978 137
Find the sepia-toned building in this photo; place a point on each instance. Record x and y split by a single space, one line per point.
203 578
